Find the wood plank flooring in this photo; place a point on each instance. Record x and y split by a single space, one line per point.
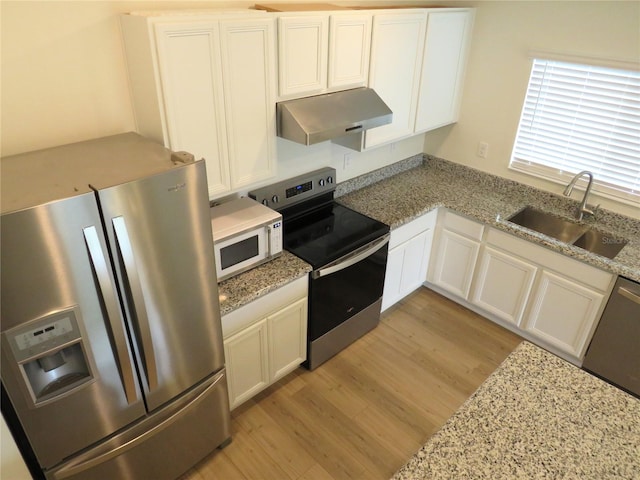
365 412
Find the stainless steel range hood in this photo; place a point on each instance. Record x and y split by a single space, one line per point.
331 116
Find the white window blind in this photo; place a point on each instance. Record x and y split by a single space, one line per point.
582 117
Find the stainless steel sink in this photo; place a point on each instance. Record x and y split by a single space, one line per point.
595 241
600 243
551 225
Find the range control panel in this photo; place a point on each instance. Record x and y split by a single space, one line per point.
297 189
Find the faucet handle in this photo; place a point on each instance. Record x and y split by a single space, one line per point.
591 209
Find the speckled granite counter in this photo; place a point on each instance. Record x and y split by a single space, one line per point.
489 199
242 289
536 416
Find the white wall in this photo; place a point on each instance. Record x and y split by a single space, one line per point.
499 66
63 79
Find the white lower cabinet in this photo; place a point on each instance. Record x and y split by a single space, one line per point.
287 339
547 296
563 313
503 284
408 259
456 254
246 355
265 340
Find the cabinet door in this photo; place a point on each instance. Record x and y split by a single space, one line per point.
393 277
246 355
396 58
563 313
302 55
349 47
287 339
446 45
248 67
455 262
189 67
503 285
406 268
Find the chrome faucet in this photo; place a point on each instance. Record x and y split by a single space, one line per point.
584 207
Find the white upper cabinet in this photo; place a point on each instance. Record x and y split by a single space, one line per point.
349 48
445 55
207 85
319 53
248 72
190 74
418 61
302 54
397 47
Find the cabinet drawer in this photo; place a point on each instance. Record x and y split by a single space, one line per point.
463 226
575 269
414 227
264 306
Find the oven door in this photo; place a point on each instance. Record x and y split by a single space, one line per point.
344 288
241 252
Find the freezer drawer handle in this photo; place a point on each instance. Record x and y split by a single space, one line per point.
107 292
85 464
135 287
629 295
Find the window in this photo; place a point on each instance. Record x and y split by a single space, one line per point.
582 117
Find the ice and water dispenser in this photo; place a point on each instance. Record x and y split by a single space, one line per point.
51 354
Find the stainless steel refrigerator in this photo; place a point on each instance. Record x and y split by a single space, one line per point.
112 355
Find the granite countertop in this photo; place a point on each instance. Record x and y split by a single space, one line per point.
406 190
420 186
536 416
252 284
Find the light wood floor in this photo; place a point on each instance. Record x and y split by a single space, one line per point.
366 411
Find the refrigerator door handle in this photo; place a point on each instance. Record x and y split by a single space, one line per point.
135 287
107 292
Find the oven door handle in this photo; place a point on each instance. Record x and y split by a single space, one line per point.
352 258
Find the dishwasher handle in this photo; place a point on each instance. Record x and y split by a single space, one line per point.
629 295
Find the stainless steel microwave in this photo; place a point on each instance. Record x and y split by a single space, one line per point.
245 234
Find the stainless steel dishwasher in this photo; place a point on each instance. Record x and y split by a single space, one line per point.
614 352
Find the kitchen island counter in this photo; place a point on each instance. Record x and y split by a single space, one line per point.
402 197
536 416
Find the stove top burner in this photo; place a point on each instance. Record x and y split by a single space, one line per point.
329 233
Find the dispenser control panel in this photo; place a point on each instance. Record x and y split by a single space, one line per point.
43 334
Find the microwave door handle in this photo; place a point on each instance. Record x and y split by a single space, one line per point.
268 228
352 258
107 292
135 289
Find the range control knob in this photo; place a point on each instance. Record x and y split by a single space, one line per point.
265 202
329 179
321 182
275 199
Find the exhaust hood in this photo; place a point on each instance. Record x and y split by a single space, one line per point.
331 116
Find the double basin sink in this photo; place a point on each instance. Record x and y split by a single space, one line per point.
587 238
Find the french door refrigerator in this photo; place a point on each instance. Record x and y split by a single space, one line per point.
112 355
